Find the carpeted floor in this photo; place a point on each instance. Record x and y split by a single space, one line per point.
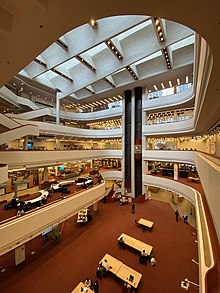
59 268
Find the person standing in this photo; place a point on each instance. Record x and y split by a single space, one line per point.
96 286
185 218
177 215
133 208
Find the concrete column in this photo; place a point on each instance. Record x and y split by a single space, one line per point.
58 91
57 144
95 207
15 190
176 171
25 145
45 174
92 164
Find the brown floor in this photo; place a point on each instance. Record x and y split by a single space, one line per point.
59 268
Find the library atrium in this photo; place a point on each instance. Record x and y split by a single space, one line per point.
109 126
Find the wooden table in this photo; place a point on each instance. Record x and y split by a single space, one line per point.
136 244
128 239
139 245
193 179
146 223
81 287
124 274
111 264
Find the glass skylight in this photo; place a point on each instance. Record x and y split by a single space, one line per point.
183 43
68 64
93 51
152 56
134 30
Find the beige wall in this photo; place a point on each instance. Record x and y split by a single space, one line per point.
217 149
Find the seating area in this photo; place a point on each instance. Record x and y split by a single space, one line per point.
146 224
122 271
135 243
81 288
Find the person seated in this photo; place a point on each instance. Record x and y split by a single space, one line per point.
88 283
153 261
121 242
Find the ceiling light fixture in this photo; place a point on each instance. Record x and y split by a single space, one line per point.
62 44
167 57
187 79
132 72
109 82
62 75
170 83
93 23
162 85
178 81
159 29
155 87
84 62
114 50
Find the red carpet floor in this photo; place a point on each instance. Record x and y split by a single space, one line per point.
59 268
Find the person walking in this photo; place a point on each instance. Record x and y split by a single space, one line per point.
177 215
185 218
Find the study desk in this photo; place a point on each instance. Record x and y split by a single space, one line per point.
193 179
124 274
111 264
121 270
136 244
127 239
139 245
81 288
145 223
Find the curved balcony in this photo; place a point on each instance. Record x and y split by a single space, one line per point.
169 101
20 230
21 159
206 258
173 128
169 156
54 129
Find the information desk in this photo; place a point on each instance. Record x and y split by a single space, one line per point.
136 244
111 263
82 216
146 223
81 288
129 275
